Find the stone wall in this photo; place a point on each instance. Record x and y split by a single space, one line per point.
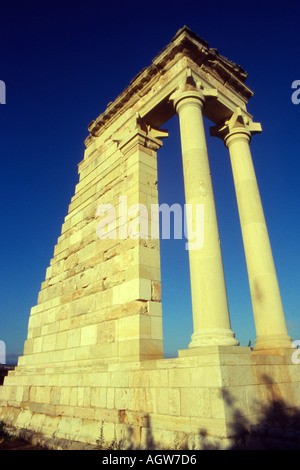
211 399
101 297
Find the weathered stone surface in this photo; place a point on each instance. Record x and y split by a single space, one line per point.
169 400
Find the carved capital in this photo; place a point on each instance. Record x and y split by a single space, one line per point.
191 86
142 133
239 123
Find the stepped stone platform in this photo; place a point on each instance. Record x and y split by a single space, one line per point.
218 393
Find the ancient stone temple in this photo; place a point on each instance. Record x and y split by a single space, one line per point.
93 358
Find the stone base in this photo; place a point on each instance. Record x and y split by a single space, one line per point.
215 396
213 337
214 349
273 342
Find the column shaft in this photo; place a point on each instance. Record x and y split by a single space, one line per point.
209 298
266 300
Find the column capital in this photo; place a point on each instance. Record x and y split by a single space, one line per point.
238 127
141 133
191 95
187 97
191 90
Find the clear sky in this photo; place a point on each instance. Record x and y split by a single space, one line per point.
63 62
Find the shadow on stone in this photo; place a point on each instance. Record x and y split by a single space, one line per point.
277 428
277 425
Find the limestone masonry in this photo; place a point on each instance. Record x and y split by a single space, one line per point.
93 358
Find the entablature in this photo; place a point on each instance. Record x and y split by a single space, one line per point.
149 92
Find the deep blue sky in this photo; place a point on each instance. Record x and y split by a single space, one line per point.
63 62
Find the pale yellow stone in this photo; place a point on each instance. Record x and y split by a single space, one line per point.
89 335
267 306
209 298
136 289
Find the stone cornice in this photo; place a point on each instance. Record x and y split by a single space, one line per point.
185 43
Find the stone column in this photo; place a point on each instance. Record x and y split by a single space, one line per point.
209 298
268 312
